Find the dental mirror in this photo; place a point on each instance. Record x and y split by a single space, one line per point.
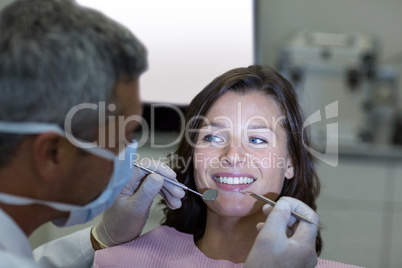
210 195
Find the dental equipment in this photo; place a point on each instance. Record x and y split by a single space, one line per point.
273 203
208 196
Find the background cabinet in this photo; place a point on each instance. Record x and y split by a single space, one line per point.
396 223
359 206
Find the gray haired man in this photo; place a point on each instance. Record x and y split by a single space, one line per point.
69 104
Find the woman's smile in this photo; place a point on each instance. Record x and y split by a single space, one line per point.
233 181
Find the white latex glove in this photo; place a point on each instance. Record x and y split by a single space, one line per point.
274 248
126 218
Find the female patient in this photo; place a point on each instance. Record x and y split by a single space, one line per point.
244 134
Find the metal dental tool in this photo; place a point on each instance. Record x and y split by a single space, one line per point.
273 203
209 195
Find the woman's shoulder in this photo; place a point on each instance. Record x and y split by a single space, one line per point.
161 247
322 263
163 234
158 239
151 249
168 231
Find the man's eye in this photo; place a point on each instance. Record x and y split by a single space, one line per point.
212 138
129 137
257 141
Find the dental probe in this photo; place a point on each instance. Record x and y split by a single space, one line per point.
273 203
209 195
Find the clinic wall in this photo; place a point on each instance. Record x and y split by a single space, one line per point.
362 222
3 3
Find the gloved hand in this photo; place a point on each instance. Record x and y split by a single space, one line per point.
275 248
126 218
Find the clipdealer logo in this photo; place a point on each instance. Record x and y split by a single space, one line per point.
331 155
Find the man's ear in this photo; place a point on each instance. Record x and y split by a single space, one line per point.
49 152
290 170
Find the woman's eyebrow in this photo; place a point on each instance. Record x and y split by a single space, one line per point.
249 126
258 126
213 124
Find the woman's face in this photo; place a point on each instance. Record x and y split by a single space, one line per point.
241 146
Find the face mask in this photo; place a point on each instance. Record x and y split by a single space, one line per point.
122 172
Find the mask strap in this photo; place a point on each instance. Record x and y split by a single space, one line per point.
29 128
22 201
24 128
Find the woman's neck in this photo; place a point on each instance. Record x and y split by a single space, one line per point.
229 238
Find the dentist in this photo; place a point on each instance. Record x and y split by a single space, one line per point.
68 167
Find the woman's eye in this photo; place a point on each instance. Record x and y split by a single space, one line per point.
212 138
257 141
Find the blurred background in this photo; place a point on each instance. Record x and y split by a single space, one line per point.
345 60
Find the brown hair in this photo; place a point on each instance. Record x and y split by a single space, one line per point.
305 186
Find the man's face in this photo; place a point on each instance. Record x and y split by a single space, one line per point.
91 173
119 130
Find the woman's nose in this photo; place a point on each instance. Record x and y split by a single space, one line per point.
233 154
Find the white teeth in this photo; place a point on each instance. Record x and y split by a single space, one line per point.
234 180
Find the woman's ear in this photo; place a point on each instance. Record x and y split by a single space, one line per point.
290 170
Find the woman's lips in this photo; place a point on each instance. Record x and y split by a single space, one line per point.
233 182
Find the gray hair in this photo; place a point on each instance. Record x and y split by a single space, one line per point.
54 55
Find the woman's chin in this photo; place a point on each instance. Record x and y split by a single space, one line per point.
233 209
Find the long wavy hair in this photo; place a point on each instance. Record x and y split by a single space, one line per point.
305 186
